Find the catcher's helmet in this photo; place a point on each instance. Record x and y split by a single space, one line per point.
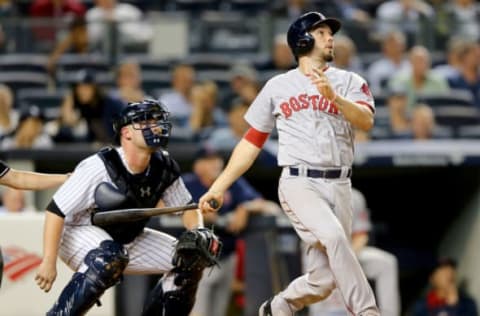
298 36
150 116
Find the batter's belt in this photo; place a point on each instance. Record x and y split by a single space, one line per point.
319 173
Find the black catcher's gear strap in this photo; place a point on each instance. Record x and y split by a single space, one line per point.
197 249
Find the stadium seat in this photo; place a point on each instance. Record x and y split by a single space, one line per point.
48 101
25 79
452 98
209 61
75 62
456 115
154 80
23 62
193 5
251 6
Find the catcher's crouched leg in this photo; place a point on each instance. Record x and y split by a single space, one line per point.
105 267
174 294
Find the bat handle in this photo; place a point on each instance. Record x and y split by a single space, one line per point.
213 203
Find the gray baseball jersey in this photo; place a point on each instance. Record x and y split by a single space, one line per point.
311 130
149 253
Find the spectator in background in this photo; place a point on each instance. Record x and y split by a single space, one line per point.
214 290
75 42
86 112
444 297
205 116
243 84
423 122
8 115
129 82
468 78
352 11
282 58
30 132
397 103
379 266
345 55
420 80
14 202
132 28
465 16
183 79
393 61
451 68
224 138
7 10
292 9
404 15
56 8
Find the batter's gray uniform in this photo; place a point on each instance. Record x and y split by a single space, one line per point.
316 153
150 253
378 265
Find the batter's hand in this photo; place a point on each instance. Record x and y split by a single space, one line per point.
46 275
319 79
206 203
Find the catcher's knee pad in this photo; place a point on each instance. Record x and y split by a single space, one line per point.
105 267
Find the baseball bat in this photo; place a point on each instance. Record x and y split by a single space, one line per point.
135 214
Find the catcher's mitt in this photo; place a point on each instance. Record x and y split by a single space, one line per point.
197 249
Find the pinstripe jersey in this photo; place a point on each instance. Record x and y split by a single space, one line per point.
75 198
3 168
311 130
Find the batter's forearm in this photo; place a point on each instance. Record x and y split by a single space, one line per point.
240 161
192 219
359 115
52 234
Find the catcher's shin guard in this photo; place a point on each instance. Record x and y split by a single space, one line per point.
177 302
195 250
105 267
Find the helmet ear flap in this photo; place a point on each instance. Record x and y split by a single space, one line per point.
305 44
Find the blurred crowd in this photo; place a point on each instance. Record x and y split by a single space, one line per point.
425 86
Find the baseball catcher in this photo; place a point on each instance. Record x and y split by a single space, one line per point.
138 174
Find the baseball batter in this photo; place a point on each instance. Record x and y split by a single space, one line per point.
315 108
135 174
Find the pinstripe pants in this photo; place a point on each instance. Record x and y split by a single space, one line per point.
150 253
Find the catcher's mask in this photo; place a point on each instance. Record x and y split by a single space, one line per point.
149 116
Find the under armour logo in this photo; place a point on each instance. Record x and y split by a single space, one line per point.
145 192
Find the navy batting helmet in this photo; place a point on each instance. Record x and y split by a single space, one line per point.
298 36
150 116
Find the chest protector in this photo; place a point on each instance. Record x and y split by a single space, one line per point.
141 190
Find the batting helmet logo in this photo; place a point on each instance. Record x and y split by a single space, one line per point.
299 39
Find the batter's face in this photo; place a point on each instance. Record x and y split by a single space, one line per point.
323 42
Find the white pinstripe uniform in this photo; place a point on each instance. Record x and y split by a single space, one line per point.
314 135
150 253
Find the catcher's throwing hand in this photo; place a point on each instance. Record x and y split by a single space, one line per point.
319 79
210 201
46 275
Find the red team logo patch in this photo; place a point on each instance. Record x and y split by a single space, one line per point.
366 90
18 262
